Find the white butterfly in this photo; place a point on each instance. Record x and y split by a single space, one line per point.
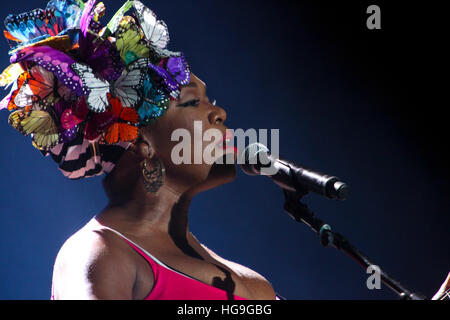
155 31
125 88
41 88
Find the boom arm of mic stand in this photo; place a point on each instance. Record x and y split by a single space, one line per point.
300 213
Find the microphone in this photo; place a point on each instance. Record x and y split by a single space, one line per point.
256 159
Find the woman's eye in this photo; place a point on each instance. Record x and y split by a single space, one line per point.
190 103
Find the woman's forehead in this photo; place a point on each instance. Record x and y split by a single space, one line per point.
195 82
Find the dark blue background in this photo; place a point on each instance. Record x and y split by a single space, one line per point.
363 105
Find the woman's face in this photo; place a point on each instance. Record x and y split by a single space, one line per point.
192 112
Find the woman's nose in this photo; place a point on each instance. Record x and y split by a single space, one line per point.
217 115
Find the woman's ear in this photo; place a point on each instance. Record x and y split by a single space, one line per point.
142 148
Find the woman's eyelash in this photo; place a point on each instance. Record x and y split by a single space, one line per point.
190 103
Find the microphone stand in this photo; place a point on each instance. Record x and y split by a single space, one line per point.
300 213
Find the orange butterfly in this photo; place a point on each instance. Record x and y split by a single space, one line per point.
42 89
125 127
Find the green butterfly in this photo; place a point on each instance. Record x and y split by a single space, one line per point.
40 124
129 41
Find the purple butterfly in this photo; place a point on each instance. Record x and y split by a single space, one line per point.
101 55
53 61
174 71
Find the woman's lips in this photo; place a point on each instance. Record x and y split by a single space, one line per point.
228 142
228 135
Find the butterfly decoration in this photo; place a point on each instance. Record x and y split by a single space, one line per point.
142 37
72 116
87 16
10 74
38 123
125 126
30 27
99 11
42 89
101 55
155 102
155 31
93 26
76 84
129 41
5 102
61 43
174 72
53 61
97 124
8 101
69 10
90 16
125 88
97 88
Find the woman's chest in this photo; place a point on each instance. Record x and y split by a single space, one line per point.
190 269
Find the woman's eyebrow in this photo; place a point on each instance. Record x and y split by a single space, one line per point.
195 85
191 85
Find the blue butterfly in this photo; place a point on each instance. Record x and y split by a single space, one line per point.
38 24
155 102
69 10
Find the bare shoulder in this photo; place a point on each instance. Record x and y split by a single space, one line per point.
88 264
261 288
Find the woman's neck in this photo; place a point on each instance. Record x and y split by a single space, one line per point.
166 212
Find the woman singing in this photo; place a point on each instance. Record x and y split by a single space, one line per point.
140 246
108 99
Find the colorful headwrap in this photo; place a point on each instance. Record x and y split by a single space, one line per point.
80 89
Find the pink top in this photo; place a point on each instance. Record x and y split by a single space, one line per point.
170 284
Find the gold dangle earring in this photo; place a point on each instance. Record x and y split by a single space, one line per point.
153 175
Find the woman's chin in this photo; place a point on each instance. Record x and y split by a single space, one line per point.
223 170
